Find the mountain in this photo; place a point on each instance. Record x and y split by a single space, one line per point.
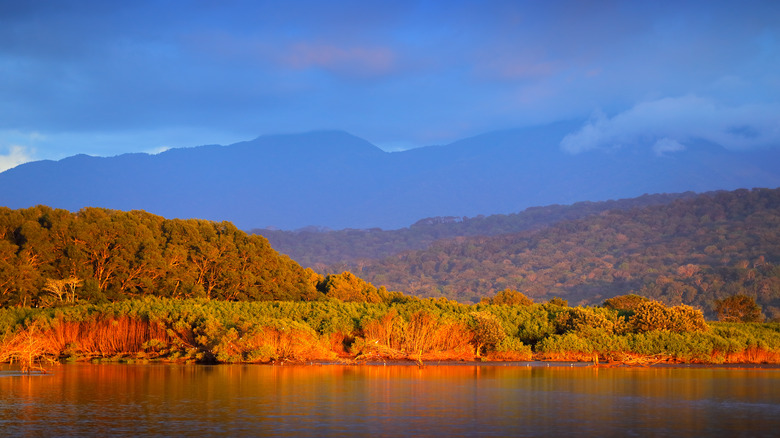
336 180
692 250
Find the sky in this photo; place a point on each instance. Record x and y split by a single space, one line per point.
105 78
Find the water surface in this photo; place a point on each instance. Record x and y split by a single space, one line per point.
377 400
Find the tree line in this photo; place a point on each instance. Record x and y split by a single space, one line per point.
51 256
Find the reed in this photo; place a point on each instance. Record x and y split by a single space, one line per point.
105 336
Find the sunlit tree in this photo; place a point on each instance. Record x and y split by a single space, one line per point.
738 308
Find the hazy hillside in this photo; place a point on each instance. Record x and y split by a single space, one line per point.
336 180
327 250
689 251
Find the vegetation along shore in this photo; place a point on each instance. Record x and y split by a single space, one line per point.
402 328
102 284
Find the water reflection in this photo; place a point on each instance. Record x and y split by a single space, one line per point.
464 400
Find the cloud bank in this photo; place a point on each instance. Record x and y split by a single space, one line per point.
105 78
669 123
15 156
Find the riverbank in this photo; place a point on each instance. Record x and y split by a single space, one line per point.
417 331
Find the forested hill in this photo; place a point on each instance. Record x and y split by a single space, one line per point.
326 250
51 256
690 251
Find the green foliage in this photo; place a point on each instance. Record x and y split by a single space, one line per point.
245 331
511 348
652 316
566 343
535 324
487 331
585 321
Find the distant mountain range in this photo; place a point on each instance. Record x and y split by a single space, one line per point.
333 179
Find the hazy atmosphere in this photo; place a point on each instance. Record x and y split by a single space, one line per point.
105 78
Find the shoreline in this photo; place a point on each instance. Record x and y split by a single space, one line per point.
16 370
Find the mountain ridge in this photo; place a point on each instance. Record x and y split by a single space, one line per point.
337 180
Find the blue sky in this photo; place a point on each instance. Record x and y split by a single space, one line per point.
105 78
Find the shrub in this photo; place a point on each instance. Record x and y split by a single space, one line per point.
652 315
511 348
586 320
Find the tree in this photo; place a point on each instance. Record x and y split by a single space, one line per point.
348 287
628 302
511 297
487 331
738 308
556 301
64 289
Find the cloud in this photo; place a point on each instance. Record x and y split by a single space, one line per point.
670 123
354 60
665 145
109 77
16 155
158 150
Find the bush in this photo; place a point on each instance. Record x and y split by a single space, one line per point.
511 348
652 315
583 321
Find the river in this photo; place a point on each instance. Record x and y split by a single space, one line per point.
522 399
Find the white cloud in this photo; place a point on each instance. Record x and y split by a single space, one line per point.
158 150
665 145
16 155
669 123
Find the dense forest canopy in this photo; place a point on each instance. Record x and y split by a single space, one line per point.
691 251
49 256
323 250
